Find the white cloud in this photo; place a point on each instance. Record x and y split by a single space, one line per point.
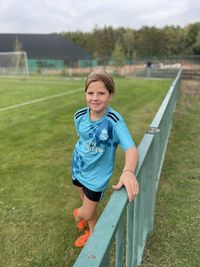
42 16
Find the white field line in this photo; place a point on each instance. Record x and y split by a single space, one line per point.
40 100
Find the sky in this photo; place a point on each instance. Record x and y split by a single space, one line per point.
56 16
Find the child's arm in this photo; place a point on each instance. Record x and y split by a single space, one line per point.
127 177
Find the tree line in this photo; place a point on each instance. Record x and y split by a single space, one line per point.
123 45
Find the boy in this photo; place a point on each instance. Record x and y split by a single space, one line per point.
100 130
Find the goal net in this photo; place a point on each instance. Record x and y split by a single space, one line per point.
13 63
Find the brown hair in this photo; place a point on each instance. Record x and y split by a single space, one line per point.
101 76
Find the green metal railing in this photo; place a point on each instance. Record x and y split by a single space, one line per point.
131 223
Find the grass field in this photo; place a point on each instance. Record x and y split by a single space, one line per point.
176 238
37 138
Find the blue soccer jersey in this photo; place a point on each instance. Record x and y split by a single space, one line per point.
94 153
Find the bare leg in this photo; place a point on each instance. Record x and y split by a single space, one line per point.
88 211
80 191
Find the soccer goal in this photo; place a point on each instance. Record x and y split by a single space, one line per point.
13 63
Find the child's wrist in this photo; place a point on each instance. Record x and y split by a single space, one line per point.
127 170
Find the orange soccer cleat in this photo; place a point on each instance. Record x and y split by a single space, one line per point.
82 224
81 240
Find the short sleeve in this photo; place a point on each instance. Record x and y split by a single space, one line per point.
77 117
125 139
76 125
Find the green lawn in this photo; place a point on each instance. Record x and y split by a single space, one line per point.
36 195
176 238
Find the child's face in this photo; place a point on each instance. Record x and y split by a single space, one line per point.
97 98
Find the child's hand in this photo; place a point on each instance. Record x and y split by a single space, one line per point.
129 180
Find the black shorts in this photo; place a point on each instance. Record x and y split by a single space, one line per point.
92 195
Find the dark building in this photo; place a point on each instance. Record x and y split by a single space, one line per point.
46 51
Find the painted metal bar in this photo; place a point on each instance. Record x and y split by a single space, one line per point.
120 243
130 236
106 259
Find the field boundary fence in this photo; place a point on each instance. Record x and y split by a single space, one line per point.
126 226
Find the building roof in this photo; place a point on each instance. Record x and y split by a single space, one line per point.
44 46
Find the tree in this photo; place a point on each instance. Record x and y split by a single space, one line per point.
149 42
128 41
192 31
104 43
118 55
145 43
85 40
17 45
18 61
174 40
196 46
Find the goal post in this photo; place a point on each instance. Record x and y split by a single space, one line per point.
14 63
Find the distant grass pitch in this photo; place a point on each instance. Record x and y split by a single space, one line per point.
37 139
